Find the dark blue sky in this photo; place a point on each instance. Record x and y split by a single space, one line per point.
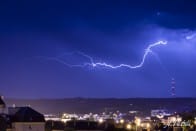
108 30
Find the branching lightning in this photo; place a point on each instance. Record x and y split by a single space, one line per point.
94 64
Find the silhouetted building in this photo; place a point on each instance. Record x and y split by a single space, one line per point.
26 119
2 105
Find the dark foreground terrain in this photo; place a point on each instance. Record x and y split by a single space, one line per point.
85 105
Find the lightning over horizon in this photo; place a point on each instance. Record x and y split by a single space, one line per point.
94 64
97 48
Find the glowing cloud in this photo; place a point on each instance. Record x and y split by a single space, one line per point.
189 37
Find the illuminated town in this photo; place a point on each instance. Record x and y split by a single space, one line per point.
20 118
98 65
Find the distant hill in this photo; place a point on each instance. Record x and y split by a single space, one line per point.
86 105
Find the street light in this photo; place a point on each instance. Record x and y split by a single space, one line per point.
148 125
128 126
100 120
122 121
137 122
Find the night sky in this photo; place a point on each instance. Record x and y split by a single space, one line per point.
111 31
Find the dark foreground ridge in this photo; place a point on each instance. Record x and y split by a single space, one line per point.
94 105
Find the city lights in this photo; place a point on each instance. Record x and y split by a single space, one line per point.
138 121
98 65
148 125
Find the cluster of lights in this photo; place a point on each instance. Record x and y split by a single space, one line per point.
175 120
195 121
138 121
146 125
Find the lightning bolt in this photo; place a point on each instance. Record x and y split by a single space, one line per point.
94 64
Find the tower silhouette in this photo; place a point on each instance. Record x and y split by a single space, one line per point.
173 88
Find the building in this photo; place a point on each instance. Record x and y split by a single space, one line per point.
2 105
20 119
52 117
26 119
160 113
